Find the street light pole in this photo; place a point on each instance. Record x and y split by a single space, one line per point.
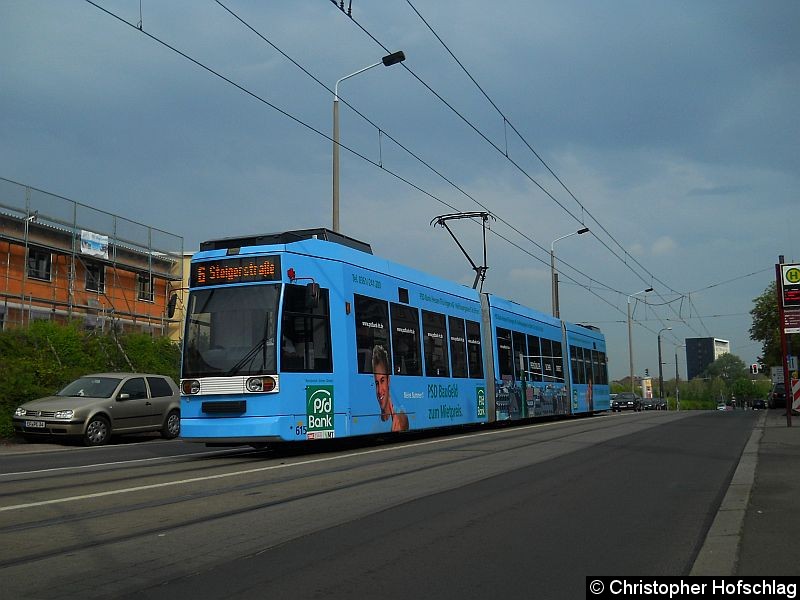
660 368
387 61
677 379
30 217
630 341
553 274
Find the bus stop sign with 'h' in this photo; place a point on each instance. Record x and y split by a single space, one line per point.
790 298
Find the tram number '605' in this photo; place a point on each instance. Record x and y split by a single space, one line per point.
300 430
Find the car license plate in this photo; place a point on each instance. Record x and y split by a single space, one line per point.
35 424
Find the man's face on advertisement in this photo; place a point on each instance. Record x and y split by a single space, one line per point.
382 389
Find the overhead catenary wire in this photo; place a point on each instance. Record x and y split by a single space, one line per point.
321 133
317 131
358 154
522 170
411 153
506 123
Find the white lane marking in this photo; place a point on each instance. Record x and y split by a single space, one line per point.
263 469
119 462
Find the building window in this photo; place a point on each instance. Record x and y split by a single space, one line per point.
39 264
95 277
144 287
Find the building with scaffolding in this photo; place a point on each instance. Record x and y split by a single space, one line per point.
64 260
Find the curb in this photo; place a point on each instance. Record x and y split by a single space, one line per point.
720 551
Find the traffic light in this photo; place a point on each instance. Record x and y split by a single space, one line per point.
647 372
754 368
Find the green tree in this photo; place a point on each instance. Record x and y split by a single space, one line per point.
727 367
765 328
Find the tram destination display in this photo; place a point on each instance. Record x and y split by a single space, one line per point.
236 270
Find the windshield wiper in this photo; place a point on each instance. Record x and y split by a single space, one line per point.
261 345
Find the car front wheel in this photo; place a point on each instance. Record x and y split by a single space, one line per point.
97 432
172 425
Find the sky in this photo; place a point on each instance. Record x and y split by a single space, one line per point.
669 128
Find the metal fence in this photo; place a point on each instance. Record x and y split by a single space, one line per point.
24 207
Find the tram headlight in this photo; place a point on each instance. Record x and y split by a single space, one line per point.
261 384
190 386
254 384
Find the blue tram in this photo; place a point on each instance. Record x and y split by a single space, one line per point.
307 335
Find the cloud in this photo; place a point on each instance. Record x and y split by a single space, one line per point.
663 246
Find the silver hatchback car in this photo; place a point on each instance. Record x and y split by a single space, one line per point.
95 406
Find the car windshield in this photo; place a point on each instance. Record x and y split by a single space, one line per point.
92 387
230 331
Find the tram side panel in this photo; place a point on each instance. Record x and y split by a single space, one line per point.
431 341
527 364
588 368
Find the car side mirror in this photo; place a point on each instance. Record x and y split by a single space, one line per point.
123 396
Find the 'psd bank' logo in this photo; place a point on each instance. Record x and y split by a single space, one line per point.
319 409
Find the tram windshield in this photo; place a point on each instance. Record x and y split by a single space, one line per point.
231 331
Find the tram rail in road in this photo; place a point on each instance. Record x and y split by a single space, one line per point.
163 521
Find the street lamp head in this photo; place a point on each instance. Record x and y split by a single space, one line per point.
637 293
583 230
393 58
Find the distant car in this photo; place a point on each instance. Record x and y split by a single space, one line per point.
626 401
660 403
777 396
759 404
648 404
96 406
722 406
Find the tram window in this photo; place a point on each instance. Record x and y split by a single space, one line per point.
558 362
458 347
603 380
535 358
505 358
595 367
474 350
305 332
519 355
372 329
587 365
405 340
576 374
435 344
547 361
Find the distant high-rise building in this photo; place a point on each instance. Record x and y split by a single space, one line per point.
701 352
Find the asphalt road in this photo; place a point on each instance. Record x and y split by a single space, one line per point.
512 512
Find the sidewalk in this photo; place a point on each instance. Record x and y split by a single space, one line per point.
757 528
770 539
